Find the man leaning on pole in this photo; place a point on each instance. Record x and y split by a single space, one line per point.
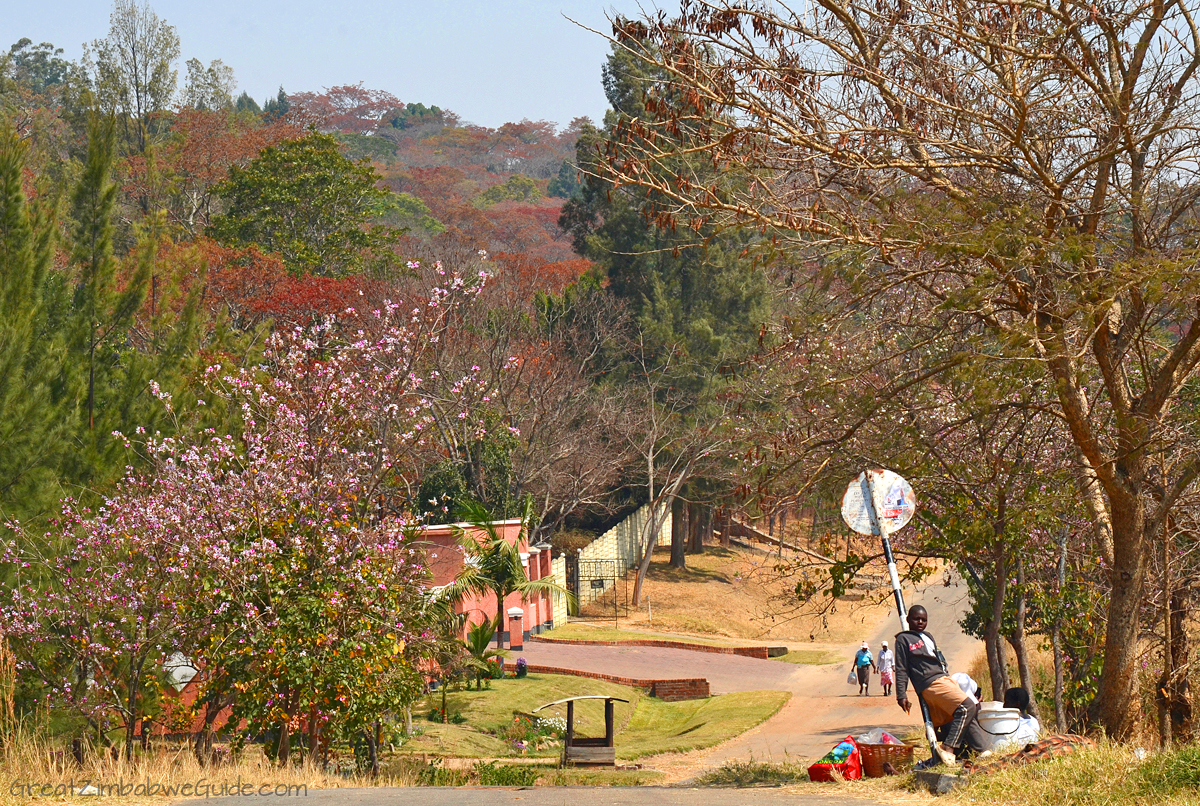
918 661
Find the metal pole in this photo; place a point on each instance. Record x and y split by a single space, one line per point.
879 526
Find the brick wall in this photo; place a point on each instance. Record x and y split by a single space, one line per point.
671 690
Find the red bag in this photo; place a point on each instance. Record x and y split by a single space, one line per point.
845 758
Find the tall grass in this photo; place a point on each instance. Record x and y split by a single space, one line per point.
34 762
1108 774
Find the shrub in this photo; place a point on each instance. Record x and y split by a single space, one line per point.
494 774
522 667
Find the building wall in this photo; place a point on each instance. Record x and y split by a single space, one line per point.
445 558
622 544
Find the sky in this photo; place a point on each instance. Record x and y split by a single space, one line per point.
490 62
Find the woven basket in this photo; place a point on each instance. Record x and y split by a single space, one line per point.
873 756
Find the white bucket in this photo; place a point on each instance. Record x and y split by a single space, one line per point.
999 724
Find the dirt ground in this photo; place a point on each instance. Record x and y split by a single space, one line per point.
739 593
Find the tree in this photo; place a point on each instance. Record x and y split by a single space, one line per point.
1025 168
34 426
494 565
305 200
39 68
103 310
132 70
209 87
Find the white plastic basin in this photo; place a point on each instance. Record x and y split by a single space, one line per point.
999 724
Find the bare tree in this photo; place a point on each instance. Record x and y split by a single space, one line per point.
1028 165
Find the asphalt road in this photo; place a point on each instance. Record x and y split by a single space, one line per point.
553 796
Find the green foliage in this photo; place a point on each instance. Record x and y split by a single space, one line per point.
565 184
364 147
277 107
37 68
751 773
308 202
492 773
416 115
112 371
515 188
479 639
245 103
35 424
131 71
691 291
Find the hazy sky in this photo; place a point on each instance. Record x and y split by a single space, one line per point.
490 62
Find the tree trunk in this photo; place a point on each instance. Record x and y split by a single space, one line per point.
678 533
695 516
1163 695
500 617
1018 641
782 528
1179 690
1114 704
131 719
706 527
285 745
1060 707
992 637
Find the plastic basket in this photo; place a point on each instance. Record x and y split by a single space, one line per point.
874 755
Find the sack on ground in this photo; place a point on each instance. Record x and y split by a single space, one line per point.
844 758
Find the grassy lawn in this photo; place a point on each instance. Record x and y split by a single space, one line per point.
644 726
813 657
670 727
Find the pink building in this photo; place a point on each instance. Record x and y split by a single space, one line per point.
445 558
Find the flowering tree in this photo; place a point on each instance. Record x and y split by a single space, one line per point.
275 558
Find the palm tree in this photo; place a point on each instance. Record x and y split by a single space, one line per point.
494 565
478 639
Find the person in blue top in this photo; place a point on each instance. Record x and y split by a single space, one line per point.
864 664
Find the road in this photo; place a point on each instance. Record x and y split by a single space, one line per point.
559 796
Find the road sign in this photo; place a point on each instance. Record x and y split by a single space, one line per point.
895 498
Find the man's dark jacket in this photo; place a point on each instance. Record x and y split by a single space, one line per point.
915 662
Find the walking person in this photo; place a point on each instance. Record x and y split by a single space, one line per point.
919 662
864 664
887 669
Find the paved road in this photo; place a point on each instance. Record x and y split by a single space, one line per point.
823 708
555 796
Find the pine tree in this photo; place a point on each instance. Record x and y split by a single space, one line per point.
34 426
106 381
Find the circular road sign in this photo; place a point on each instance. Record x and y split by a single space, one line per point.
894 497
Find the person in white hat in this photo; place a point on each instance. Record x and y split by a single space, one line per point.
887 669
864 664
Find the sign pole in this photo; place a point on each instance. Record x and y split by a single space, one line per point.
879 526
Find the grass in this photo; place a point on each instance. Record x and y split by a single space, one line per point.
32 757
491 711
644 726
753 773
1093 777
676 727
811 657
